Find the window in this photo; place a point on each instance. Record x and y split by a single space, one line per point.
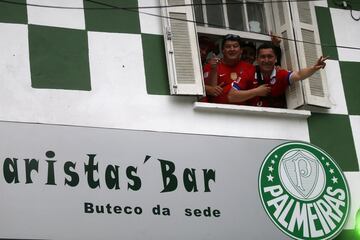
251 20
241 15
248 18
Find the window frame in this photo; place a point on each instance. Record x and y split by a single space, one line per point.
246 34
301 96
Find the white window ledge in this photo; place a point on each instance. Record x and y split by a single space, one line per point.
249 110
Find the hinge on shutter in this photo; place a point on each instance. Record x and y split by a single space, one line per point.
175 87
169 34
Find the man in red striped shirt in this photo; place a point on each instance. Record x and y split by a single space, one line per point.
268 83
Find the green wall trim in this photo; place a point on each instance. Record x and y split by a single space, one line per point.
156 74
326 31
333 133
59 58
111 18
350 78
355 4
13 12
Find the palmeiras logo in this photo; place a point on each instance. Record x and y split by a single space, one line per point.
304 191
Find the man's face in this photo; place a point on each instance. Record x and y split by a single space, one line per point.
266 59
231 50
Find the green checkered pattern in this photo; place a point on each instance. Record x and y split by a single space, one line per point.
59 56
59 59
334 132
337 133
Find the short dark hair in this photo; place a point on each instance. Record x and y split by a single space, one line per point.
230 37
266 46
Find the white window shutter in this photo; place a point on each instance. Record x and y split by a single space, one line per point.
182 55
283 26
309 50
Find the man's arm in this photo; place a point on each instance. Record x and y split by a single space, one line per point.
307 72
212 79
238 96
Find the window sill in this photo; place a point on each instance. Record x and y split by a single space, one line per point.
249 110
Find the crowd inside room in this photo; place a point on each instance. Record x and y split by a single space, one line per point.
236 72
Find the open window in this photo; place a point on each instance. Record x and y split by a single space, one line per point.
248 18
252 20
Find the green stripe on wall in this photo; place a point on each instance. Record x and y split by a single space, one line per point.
333 133
355 4
59 58
111 18
326 32
350 78
155 64
13 12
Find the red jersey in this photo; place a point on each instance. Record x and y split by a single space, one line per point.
279 80
226 74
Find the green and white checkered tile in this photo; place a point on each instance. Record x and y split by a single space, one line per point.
337 130
90 57
73 59
67 50
58 39
334 129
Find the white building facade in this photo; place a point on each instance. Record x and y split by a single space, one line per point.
81 71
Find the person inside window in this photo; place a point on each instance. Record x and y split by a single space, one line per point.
219 73
206 46
249 50
268 82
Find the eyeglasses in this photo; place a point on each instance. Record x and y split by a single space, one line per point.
231 37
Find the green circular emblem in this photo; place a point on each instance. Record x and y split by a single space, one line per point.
303 191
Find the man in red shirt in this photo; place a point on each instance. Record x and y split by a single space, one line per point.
268 84
220 73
